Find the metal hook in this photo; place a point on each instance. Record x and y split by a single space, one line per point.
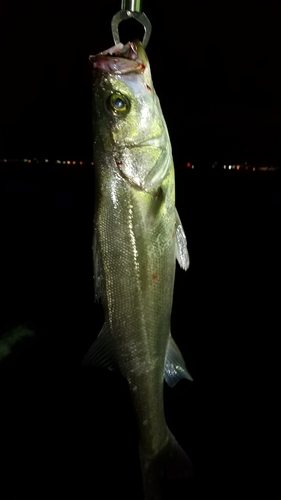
131 9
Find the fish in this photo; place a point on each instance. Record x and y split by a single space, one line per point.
137 238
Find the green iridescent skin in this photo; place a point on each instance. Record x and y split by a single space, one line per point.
135 238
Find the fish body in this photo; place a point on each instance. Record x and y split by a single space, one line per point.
137 238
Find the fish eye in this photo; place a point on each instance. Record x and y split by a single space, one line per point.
118 104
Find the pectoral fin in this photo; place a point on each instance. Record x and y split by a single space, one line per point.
175 368
181 245
101 353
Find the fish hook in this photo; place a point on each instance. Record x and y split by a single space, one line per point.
131 9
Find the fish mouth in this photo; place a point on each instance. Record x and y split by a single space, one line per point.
121 59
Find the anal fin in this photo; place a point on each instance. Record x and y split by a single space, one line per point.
175 368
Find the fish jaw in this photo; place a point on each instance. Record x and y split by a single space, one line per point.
127 62
122 59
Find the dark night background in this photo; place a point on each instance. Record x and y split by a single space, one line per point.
67 431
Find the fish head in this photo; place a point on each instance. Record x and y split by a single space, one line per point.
128 120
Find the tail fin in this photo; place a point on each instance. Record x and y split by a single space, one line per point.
170 468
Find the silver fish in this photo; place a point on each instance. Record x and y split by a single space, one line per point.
137 238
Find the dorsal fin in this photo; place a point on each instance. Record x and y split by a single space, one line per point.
101 353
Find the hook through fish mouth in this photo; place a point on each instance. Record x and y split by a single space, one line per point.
120 59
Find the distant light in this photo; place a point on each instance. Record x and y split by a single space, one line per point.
25 160
92 163
5 159
237 167
74 163
254 168
80 163
29 161
64 162
68 162
229 167
188 164
192 166
58 161
46 161
224 166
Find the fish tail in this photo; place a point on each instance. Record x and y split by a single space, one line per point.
167 473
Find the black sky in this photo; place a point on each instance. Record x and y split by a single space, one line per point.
215 67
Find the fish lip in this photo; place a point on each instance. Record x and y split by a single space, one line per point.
120 59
